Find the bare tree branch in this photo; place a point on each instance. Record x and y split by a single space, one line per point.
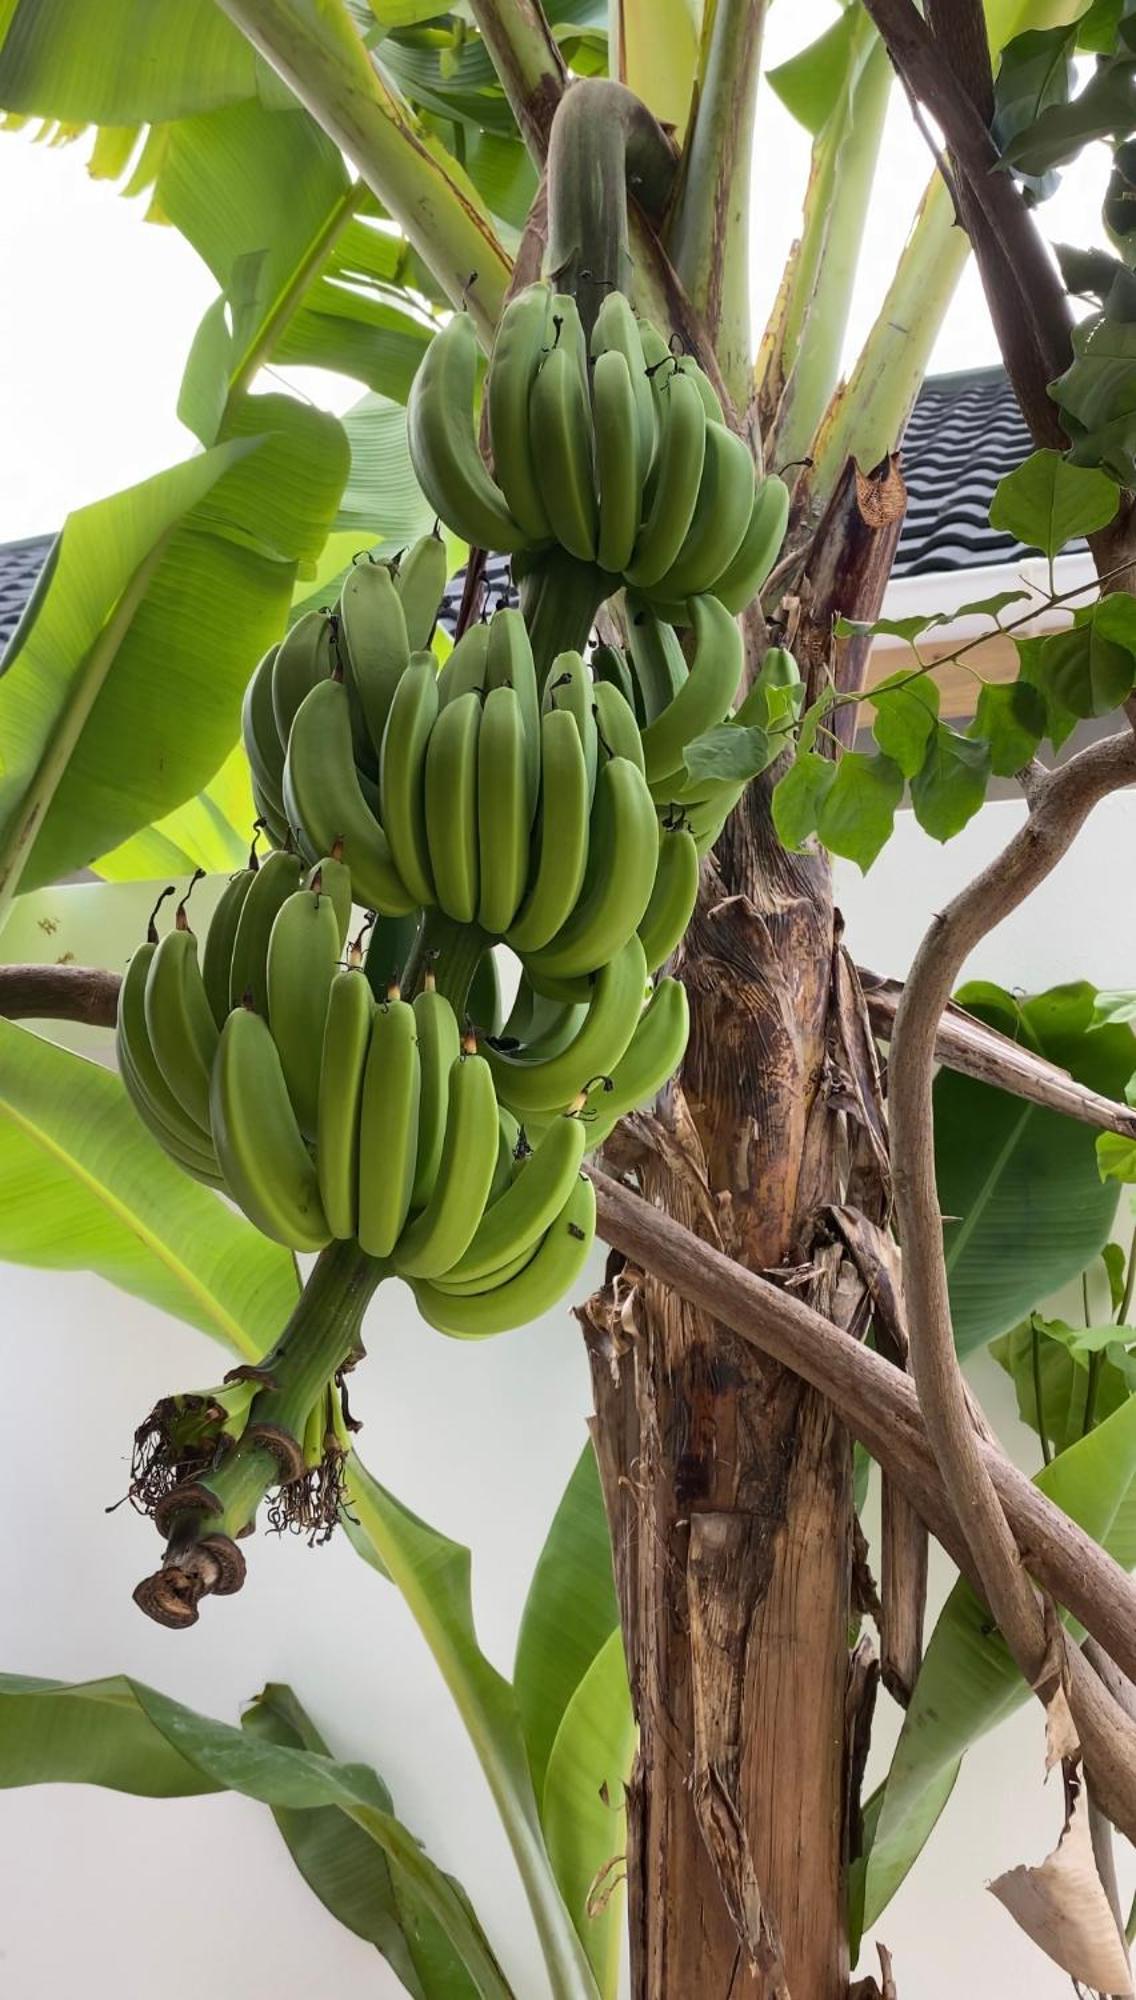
1058 809
968 1045
1027 300
59 993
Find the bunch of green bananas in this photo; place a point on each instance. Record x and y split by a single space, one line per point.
268 1069
385 615
615 449
562 822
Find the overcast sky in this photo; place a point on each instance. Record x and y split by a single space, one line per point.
98 307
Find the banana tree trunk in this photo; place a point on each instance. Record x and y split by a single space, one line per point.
728 1482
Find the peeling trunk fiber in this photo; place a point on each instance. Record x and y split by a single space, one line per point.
728 1481
733 1481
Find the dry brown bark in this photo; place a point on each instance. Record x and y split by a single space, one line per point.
728 1480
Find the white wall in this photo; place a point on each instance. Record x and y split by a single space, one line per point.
99 1891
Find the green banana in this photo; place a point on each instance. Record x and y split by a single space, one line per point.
443 443
508 1145
451 807
439 1047
676 477
743 576
516 1221
391 942
485 1007
180 1023
509 663
375 640
609 665
160 1110
262 745
465 1287
706 819
199 1166
705 387
706 694
617 461
432 1244
332 877
402 774
563 840
722 516
388 1132
343 1060
539 1026
464 672
217 951
420 581
504 811
616 725
277 878
322 787
304 657
671 907
622 855
657 658
569 686
551 1272
560 417
522 336
303 953
264 1159
652 1058
617 331
535 1084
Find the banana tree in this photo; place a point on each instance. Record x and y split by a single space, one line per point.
353 176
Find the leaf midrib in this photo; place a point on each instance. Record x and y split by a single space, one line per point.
231 1328
977 1209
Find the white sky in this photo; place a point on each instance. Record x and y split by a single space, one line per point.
97 307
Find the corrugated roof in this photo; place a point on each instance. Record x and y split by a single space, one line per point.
965 433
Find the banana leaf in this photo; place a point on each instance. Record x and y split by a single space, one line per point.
968 1682
584 1810
432 1574
123 695
83 1186
1024 1206
120 64
122 1734
352 1877
570 1613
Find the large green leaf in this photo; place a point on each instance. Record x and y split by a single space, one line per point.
125 694
382 497
121 63
212 831
309 272
584 1809
125 1735
569 1613
83 1186
432 1574
968 1681
1018 1185
353 1877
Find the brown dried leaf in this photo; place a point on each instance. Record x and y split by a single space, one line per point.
1063 1908
1061 1744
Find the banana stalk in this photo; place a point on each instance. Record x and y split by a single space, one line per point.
603 137
321 1337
